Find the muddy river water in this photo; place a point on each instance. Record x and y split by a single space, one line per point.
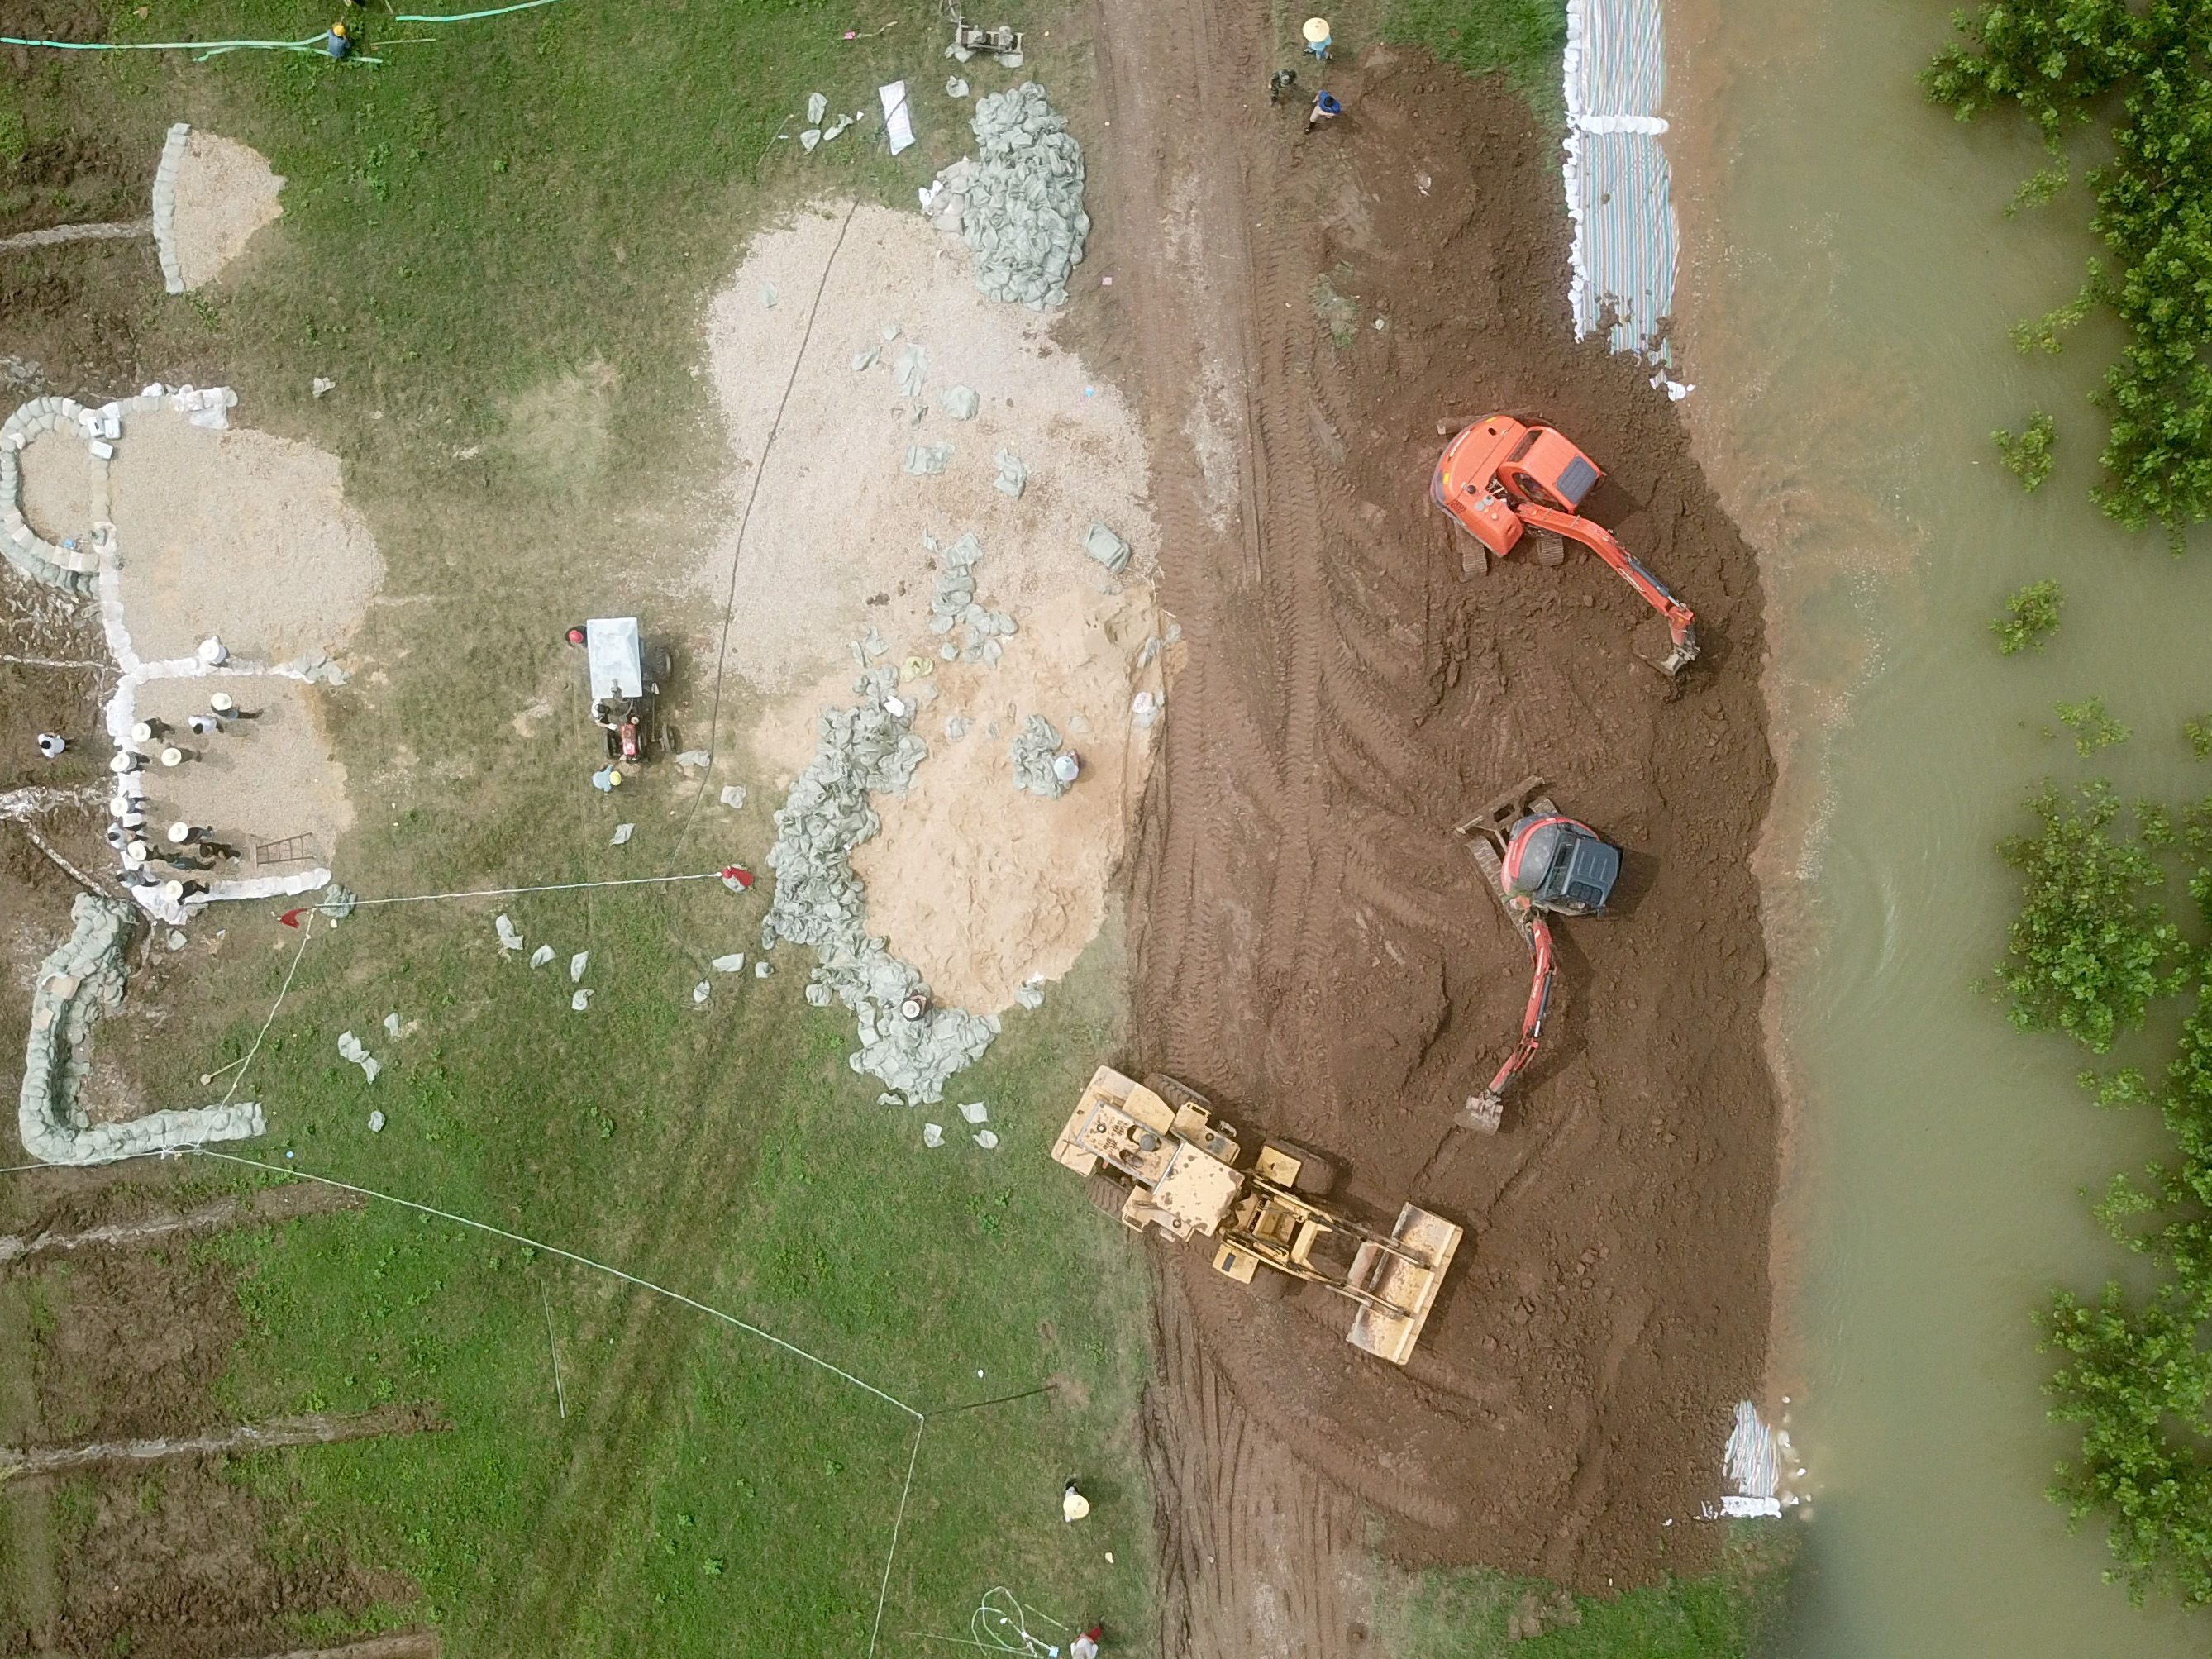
1849 275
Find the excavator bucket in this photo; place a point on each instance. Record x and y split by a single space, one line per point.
1402 1280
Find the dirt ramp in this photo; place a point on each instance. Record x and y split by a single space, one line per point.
1313 947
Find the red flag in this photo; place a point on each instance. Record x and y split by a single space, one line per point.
739 874
291 918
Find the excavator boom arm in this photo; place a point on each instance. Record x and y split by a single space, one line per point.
1484 1110
1681 621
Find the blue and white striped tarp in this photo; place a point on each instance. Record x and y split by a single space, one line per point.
1624 241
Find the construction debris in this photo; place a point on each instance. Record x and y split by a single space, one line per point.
1033 750
350 1049
510 941
1013 474
819 902
954 606
960 402
576 965
1019 205
926 460
79 982
1109 549
541 955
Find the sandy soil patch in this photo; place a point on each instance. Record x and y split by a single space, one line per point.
837 525
225 192
258 782
236 533
58 473
979 885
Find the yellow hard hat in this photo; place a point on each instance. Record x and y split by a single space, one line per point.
338 28
614 777
1316 30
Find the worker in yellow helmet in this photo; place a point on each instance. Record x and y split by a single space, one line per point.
338 42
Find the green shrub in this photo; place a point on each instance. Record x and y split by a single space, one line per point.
2093 728
2089 949
2031 618
2066 62
2027 457
2199 733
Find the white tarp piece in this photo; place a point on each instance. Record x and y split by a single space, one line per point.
1618 186
898 120
616 658
1753 1461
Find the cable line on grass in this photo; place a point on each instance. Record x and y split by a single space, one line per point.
498 1231
313 45
737 547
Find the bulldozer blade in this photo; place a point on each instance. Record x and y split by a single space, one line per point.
1404 1282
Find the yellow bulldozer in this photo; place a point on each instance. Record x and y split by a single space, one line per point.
1154 1154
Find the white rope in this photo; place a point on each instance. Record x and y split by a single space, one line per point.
306 930
883 1589
554 887
567 1256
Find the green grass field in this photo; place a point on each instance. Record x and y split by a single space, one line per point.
706 1490
1470 1615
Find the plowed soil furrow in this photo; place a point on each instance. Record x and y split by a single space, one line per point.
1312 948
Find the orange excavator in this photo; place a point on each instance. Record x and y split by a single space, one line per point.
1538 861
1500 479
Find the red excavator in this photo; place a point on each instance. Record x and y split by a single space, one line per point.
1500 479
1538 862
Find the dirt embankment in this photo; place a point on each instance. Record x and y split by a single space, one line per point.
1315 949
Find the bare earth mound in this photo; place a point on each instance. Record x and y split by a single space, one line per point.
58 486
1313 948
981 887
261 784
236 533
225 192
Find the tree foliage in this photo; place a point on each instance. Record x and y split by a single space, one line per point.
2091 725
2027 457
2135 1372
2031 618
2090 947
2062 63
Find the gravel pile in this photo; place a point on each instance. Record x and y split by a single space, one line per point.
819 902
1032 753
1019 204
955 606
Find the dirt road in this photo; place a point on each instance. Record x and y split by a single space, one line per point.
1315 950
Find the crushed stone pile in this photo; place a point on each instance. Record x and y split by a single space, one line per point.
1032 752
819 900
1018 204
955 606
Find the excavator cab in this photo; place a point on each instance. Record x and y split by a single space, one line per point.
1559 865
1545 470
